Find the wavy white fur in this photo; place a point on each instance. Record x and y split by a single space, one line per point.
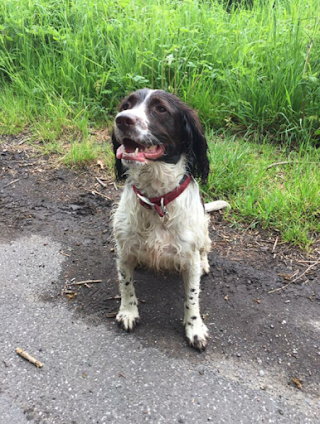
179 241
159 139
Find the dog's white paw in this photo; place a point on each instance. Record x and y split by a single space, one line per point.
205 266
197 334
128 318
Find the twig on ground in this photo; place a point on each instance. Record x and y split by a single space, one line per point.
307 270
278 163
80 283
101 182
12 182
107 180
94 192
111 314
275 244
23 140
295 279
306 262
28 357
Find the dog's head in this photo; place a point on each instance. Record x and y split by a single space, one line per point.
153 125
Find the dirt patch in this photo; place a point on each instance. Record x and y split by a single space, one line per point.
260 301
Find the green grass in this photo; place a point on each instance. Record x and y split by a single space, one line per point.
252 72
249 70
285 198
86 151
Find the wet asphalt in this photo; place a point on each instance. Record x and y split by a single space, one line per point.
93 373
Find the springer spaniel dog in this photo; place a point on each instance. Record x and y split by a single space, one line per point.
161 222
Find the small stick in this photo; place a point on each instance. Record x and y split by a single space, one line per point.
64 254
113 298
295 279
111 314
278 163
79 283
23 140
105 179
307 270
306 262
29 358
275 245
12 182
101 182
94 192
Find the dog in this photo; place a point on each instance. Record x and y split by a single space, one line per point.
161 221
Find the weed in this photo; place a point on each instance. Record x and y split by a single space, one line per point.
249 69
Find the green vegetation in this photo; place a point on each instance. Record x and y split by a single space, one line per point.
249 71
285 197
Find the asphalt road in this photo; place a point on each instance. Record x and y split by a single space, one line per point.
262 364
95 374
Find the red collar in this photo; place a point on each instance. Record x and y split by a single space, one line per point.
159 203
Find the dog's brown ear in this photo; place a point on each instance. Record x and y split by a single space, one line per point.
195 144
119 168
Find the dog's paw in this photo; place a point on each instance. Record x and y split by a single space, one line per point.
197 335
205 267
128 319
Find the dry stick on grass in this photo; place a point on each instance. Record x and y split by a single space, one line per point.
297 278
278 163
23 141
28 357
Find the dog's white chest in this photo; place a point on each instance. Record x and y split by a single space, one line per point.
161 243
147 238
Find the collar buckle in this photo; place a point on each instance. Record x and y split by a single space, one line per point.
158 204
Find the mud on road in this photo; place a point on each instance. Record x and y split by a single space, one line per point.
260 301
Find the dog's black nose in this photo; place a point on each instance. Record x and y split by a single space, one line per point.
126 121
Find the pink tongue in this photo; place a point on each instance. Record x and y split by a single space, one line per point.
122 153
119 152
127 153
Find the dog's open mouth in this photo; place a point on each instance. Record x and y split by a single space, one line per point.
131 150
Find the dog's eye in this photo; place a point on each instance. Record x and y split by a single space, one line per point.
161 109
125 106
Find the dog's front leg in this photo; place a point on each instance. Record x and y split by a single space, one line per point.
196 331
128 315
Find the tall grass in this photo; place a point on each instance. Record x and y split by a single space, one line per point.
65 64
252 69
284 197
